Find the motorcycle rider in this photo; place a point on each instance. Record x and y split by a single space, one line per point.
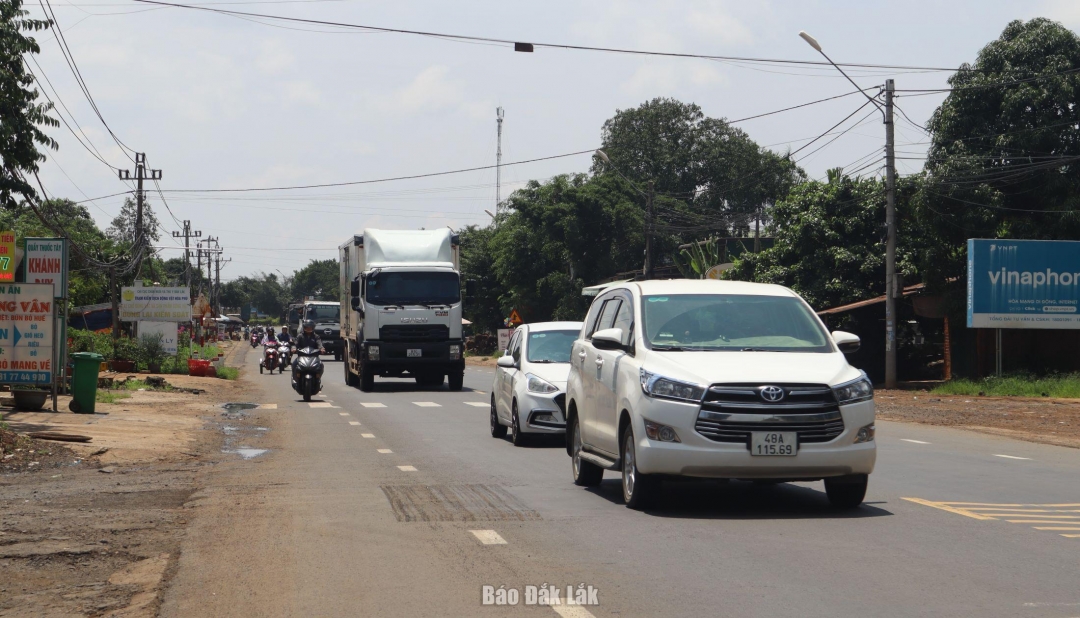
308 338
269 340
285 338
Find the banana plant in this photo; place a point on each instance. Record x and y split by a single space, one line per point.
694 261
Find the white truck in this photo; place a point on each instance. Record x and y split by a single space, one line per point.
401 306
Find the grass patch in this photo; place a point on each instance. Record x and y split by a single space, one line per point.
1066 386
134 385
228 373
111 396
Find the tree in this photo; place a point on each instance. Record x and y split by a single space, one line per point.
484 310
21 116
320 278
1005 142
122 227
830 242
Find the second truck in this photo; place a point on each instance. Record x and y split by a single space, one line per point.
401 307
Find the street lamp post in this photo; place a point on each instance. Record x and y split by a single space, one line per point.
891 293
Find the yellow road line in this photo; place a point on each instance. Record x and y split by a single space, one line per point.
1039 521
1071 536
951 509
1032 515
1059 528
1023 510
991 504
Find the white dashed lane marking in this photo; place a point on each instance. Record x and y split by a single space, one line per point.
367 435
343 413
372 405
354 422
1014 457
321 404
427 404
406 468
268 406
477 404
913 441
489 537
572 611
384 451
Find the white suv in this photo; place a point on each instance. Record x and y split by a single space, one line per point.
716 379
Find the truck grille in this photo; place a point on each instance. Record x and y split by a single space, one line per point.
729 412
411 332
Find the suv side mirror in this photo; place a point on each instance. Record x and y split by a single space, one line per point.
506 362
608 339
354 289
847 342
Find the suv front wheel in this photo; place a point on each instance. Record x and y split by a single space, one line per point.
846 492
586 474
639 490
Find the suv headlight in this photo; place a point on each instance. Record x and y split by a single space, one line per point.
539 385
859 389
665 388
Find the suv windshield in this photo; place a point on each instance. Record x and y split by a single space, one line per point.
732 322
551 346
323 313
413 288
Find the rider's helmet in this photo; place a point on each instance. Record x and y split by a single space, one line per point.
284 329
309 326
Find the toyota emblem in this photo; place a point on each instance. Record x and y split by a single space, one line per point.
771 394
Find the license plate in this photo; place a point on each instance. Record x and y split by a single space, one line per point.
774 443
413 353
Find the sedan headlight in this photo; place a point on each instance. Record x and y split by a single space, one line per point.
539 385
665 388
857 390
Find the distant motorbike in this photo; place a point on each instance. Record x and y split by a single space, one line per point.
271 359
307 372
285 352
254 340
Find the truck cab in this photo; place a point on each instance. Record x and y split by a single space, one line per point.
327 318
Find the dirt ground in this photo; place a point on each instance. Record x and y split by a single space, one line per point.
1046 420
93 529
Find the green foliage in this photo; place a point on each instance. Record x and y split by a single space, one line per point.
696 260
485 309
89 341
320 278
265 291
126 348
1001 160
21 114
122 228
830 243
151 348
228 373
1015 385
104 396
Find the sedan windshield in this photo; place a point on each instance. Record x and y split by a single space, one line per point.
413 288
551 346
732 322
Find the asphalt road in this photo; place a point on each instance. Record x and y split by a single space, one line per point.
379 504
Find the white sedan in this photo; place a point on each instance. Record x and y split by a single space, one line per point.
529 393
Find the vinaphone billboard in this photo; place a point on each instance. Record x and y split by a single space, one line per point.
1023 284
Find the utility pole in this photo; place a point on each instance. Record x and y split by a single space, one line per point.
187 235
649 199
140 196
498 159
891 293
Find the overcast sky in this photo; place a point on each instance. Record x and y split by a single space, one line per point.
219 102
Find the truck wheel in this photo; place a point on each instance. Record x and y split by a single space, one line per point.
367 380
586 474
457 380
846 492
639 490
351 378
498 430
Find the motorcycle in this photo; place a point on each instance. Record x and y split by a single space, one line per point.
285 353
307 372
254 340
270 359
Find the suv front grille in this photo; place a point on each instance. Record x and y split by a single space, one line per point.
730 412
410 333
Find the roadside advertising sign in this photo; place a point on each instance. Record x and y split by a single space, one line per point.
7 257
1023 284
504 338
167 330
26 333
155 303
46 261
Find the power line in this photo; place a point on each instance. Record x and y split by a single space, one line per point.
788 109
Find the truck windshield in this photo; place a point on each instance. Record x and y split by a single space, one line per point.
324 313
551 346
413 288
732 322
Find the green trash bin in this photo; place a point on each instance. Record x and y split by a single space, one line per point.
84 378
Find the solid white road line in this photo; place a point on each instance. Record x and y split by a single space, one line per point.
406 468
384 451
489 537
1013 457
427 404
321 404
367 435
913 441
354 422
372 405
268 406
477 404
572 611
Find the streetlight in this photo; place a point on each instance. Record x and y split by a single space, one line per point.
890 215
603 155
489 213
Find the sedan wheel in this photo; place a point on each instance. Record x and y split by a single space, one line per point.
498 430
516 436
